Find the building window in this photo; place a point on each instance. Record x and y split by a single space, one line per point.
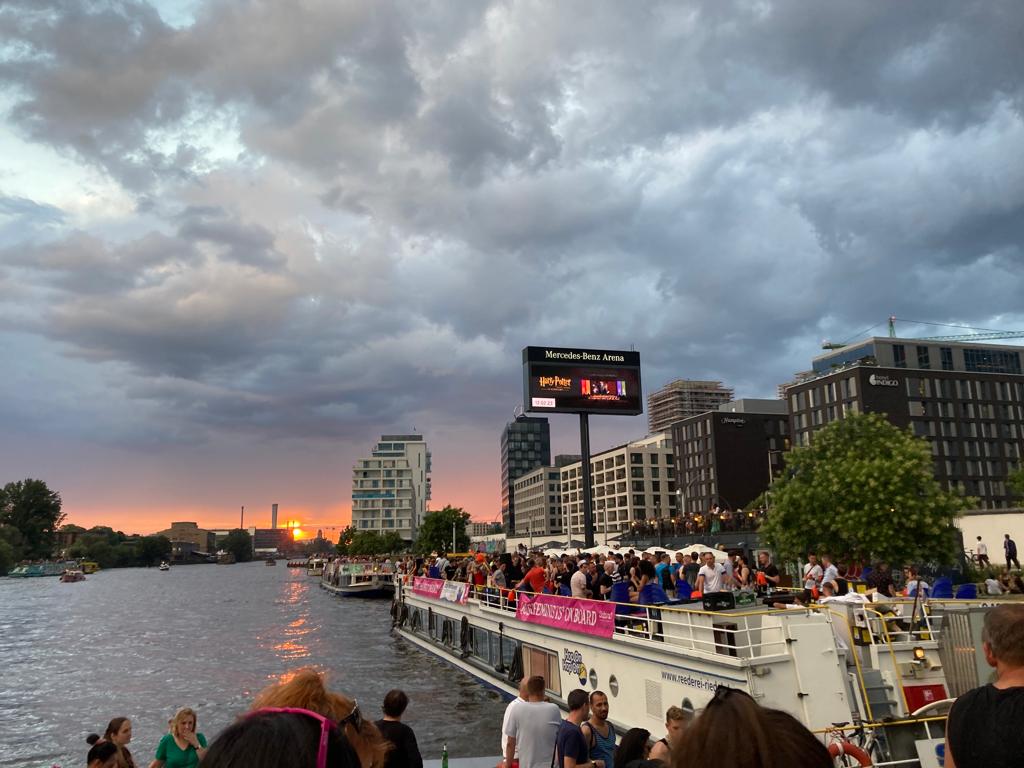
992 361
923 360
899 355
946 353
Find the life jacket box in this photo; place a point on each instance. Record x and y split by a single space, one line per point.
719 601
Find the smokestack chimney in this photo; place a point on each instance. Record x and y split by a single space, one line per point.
273 515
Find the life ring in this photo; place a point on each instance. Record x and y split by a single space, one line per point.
837 748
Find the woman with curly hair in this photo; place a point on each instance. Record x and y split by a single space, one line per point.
306 690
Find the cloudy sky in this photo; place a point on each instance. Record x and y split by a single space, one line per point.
240 239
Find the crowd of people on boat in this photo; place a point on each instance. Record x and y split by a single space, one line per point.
648 577
300 723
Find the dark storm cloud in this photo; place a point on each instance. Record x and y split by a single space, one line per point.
349 213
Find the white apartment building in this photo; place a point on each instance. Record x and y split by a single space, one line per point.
631 482
538 503
391 488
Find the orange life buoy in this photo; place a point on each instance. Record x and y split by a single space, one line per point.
837 748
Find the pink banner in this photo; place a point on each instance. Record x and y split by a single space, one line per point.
588 616
439 589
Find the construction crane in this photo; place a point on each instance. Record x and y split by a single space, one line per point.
977 334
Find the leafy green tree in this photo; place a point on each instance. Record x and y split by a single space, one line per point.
7 557
238 542
31 507
436 531
863 490
1016 482
345 540
11 548
152 549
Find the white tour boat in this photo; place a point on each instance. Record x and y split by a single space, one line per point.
878 677
358 579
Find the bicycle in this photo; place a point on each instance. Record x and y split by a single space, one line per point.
859 747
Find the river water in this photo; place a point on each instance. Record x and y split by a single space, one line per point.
141 643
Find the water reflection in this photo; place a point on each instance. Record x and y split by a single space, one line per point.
141 644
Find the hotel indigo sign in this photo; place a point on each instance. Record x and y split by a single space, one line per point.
587 616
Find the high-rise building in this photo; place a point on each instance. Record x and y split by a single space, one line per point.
630 483
538 503
391 487
729 457
525 445
965 399
682 399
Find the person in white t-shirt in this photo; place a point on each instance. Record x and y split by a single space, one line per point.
578 581
712 576
812 572
982 551
829 572
532 727
993 587
508 711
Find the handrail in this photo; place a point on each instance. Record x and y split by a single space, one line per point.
892 653
879 724
696 629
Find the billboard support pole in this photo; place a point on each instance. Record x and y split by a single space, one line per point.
588 511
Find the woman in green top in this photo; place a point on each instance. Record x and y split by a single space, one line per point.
182 747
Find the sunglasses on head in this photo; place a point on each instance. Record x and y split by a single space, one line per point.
353 718
723 692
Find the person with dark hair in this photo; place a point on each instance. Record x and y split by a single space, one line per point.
532 727
983 728
1010 551
598 732
119 733
102 753
405 751
570 747
771 738
282 737
634 748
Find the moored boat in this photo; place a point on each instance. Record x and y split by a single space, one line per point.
358 580
891 668
48 568
88 566
270 561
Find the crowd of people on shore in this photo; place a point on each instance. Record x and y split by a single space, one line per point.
300 723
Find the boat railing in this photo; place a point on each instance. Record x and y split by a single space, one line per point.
738 633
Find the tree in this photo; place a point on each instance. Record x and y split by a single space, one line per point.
31 507
863 490
436 531
1016 482
152 549
239 543
345 539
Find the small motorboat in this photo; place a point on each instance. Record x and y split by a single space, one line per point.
271 561
165 566
72 575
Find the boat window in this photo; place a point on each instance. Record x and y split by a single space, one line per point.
537 661
481 644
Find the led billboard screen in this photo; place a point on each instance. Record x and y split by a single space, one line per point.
563 380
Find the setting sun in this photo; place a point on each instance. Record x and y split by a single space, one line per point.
296 533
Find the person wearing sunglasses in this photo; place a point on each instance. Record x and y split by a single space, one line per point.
283 737
771 738
305 689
